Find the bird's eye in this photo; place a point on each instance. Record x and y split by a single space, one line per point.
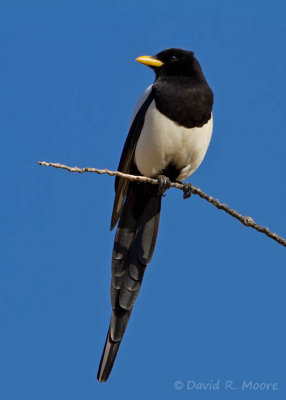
173 58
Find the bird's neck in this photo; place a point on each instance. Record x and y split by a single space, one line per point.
186 101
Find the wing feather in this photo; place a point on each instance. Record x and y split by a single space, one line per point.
121 185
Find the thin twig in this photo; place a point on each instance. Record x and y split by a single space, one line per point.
188 189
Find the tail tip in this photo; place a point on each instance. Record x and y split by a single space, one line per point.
100 378
107 358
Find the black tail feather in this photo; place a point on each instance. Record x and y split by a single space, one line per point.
133 249
107 359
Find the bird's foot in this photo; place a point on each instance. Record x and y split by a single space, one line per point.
164 183
188 190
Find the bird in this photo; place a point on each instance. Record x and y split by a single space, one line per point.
169 135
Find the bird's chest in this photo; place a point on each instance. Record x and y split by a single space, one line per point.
163 143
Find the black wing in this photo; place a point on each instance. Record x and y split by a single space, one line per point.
121 184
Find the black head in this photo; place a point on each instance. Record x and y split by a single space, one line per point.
174 62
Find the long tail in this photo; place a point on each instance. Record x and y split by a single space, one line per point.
133 249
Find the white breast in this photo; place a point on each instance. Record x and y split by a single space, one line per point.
162 142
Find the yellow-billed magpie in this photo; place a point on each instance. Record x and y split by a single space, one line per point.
168 139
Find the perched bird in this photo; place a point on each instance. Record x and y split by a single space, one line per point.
168 139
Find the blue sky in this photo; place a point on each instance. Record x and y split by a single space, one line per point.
212 305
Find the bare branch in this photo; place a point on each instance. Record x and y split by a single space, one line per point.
188 190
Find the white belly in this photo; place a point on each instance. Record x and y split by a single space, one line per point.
162 142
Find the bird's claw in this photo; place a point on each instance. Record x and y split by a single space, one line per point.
188 190
164 183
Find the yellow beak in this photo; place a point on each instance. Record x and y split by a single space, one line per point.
149 61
